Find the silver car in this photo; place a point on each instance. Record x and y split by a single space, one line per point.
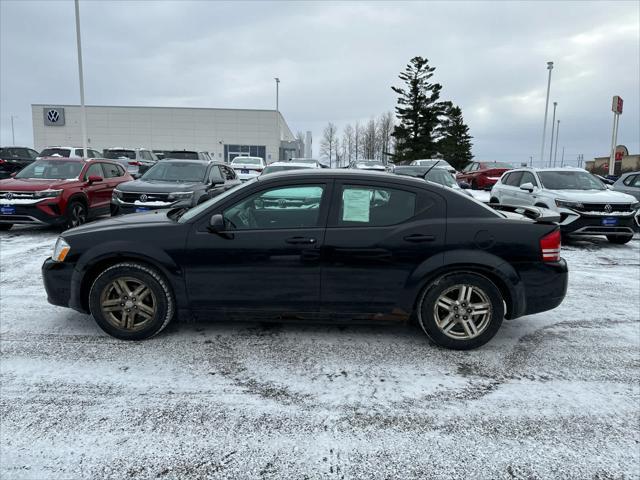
628 183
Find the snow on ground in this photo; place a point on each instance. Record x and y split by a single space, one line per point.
553 395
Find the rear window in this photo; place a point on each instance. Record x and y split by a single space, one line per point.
113 154
182 155
375 206
14 153
247 161
52 170
55 152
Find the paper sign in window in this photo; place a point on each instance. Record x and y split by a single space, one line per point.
356 205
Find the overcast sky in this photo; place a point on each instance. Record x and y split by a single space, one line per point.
337 62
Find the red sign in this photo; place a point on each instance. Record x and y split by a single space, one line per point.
616 106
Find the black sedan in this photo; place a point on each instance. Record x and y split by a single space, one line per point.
315 244
173 183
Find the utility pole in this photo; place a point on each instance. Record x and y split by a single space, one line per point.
562 159
83 112
546 112
13 135
556 150
553 124
278 133
530 160
616 107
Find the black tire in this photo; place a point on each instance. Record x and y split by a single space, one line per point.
486 325
5 226
619 239
114 210
474 185
162 302
76 214
494 200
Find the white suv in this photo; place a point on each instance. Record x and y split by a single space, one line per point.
585 204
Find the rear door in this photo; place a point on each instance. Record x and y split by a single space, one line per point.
378 233
268 259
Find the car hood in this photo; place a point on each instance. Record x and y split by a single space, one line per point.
123 222
34 185
156 186
592 196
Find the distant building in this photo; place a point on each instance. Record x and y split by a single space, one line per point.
624 163
224 132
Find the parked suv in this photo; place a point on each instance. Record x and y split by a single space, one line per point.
59 191
342 245
67 152
172 184
14 159
135 160
585 204
482 175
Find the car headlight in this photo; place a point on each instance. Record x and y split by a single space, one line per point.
60 250
116 194
570 205
47 193
180 195
635 206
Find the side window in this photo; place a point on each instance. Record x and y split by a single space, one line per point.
79 152
215 175
94 170
505 178
375 206
33 154
94 154
527 177
111 170
474 166
281 207
514 179
631 180
636 181
229 173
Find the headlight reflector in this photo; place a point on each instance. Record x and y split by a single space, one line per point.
570 205
60 250
116 194
47 193
180 195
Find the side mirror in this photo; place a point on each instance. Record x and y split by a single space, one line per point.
464 185
94 179
136 176
216 223
217 181
527 186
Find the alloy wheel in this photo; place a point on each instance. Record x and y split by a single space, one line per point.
462 312
128 304
78 215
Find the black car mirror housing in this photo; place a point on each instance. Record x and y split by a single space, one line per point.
216 223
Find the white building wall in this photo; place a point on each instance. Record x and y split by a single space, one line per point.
164 128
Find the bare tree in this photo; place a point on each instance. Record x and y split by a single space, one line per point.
348 143
300 138
329 142
384 129
357 135
369 140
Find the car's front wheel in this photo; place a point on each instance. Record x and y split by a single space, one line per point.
76 214
131 301
619 239
461 310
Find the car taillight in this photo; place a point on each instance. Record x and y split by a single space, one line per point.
135 164
2 161
550 246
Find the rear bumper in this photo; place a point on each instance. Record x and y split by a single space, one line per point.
545 285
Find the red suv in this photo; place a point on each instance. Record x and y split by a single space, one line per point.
483 175
59 191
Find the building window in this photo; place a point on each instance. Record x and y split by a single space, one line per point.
233 151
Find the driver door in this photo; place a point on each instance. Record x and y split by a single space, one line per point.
267 260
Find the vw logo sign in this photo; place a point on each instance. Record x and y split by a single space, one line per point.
608 208
8 195
143 198
53 116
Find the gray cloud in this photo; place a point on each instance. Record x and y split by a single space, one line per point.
337 62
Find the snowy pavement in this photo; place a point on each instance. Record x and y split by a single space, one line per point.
554 395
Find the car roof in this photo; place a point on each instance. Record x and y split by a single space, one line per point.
289 164
551 169
190 160
336 173
17 146
66 159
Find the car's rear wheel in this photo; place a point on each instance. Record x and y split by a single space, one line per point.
131 301
461 310
474 185
619 239
494 200
76 214
5 226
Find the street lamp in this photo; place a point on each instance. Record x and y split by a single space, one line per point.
13 135
279 133
553 122
83 119
546 112
555 155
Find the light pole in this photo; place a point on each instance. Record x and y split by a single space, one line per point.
279 135
546 112
83 119
13 135
555 155
553 124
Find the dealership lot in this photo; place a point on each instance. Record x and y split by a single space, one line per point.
554 394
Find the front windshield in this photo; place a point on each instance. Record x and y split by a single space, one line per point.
55 152
51 170
281 168
131 154
441 176
563 180
193 212
167 171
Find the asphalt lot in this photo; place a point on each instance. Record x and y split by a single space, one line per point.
554 395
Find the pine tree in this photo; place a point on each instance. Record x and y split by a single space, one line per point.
454 143
417 112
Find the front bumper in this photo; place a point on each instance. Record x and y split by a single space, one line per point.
577 223
57 282
45 212
121 208
545 285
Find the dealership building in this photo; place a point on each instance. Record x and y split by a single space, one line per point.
223 132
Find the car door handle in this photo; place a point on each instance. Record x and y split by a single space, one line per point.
417 238
301 240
